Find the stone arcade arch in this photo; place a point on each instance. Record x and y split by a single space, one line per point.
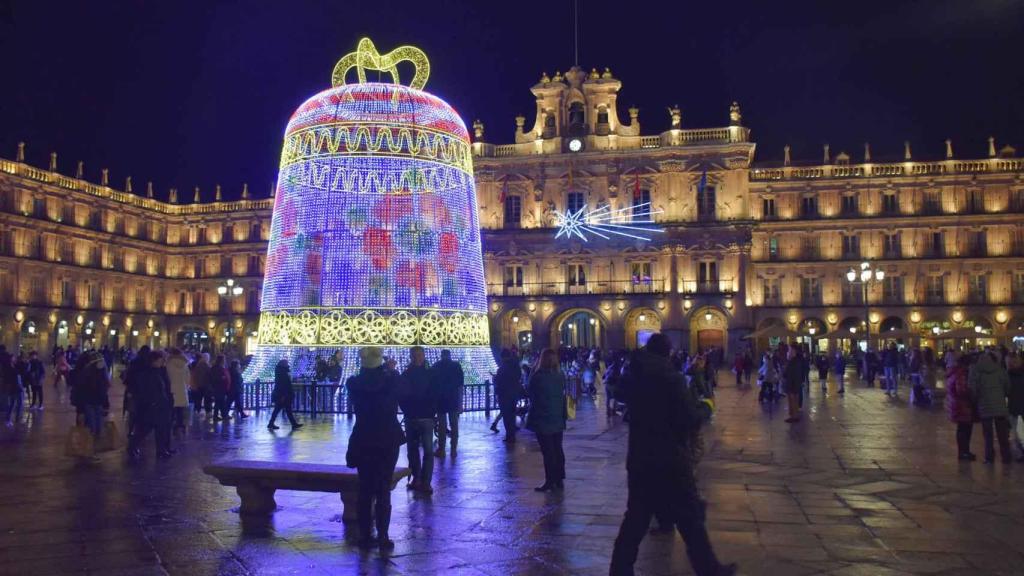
640 323
578 327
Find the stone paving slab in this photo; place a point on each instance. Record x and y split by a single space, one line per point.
865 485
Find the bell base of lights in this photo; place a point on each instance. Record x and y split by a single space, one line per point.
478 363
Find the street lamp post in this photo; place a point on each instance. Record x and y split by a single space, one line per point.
865 277
229 290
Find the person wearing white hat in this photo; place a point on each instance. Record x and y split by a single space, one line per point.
374 444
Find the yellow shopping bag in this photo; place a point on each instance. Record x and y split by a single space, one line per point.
110 437
570 407
79 443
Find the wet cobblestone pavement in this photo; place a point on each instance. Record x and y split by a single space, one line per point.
864 486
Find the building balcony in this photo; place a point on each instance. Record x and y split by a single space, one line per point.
637 286
976 298
810 299
720 286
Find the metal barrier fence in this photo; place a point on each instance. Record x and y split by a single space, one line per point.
332 398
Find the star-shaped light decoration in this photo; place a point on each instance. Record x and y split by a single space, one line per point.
604 222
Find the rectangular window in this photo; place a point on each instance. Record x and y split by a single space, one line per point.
514 276
977 288
575 201
640 272
810 291
849 206
810 248
977 244
851 246
181 303
809 207
577 275
770 289
252 300
1018 287
198 302
707 276
938 246
768 208
773 248
65 292
892 245
931 202
706 203
975 202
853 294
513 211
890 204
936 290
642 206
892 289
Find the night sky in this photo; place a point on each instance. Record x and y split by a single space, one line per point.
198 92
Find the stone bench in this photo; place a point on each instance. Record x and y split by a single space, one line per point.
257 481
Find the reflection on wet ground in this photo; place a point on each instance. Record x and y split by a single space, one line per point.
865 485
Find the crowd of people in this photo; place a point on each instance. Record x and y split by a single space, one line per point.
665 395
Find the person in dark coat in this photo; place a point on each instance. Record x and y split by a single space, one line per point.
90 382
547 417
793 383
283 395
220 385
448 384
235 391
839 369
990 386
509 389
664 444
151 407
1015 402
374 444
419 406
35 374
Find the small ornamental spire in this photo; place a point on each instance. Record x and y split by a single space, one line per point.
173 196
245 191
991 147
675 116
128 184
195 196
216 194
785 155
104 177
735 115
20 156
149 189
80 171
949 149
634 112
867 152
544 79
827 155
53 161
273 190
906 150
478 130
558 76
593 74
607 74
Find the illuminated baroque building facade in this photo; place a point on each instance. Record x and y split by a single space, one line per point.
734 247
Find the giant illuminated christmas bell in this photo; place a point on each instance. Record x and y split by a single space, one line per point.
375 238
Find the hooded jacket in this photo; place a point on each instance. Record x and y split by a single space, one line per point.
990 386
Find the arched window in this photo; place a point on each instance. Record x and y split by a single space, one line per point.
513 211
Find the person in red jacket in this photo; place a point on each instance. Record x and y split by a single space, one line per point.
960 405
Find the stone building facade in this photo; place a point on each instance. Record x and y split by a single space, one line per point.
732 248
